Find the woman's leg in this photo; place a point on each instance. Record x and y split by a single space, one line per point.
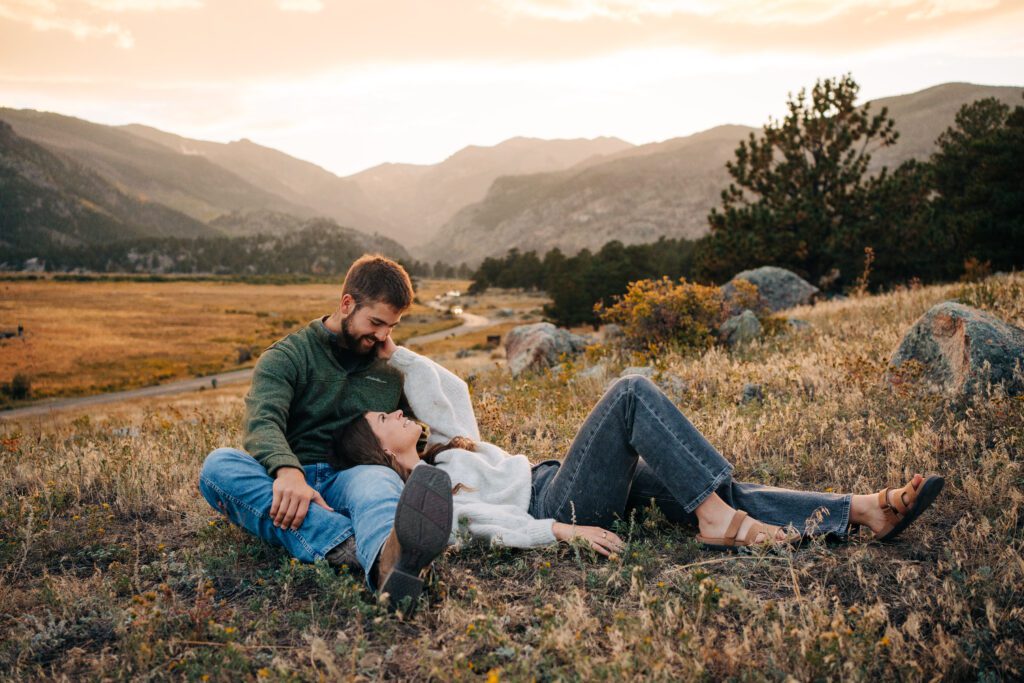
603 474
808 512
593 484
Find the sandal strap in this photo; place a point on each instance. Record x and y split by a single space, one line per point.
905 498
734 527
883 502
770 532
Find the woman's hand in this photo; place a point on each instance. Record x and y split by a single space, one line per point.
387 348
601 540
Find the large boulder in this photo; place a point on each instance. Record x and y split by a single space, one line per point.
778 288
961 349
539 346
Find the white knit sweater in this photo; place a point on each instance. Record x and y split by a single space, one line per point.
495 504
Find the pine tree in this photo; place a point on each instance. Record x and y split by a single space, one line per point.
799 186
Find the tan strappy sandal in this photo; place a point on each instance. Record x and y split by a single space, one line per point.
731 543
907 504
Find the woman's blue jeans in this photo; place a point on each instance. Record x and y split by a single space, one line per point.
364 499
635 447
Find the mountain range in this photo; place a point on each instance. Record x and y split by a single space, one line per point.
665 188
66 181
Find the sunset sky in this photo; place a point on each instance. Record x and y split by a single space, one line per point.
349 84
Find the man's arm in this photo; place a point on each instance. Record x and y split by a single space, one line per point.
266 417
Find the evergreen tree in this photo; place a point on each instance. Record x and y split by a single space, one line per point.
799 186
978 175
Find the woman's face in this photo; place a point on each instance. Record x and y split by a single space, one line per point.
397 434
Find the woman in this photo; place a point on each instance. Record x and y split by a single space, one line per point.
501 498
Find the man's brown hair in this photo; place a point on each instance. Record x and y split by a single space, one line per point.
373 278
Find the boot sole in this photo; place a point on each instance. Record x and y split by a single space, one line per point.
423 525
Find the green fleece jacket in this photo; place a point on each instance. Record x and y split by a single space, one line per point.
303 389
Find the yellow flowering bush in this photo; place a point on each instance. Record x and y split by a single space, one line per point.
661 313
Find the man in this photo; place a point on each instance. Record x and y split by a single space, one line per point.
304 388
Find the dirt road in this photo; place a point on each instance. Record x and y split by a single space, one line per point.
470 322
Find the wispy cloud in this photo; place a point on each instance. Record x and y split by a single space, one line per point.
84 19
143 5
801 12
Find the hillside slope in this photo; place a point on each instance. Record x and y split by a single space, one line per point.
48 201
300 182
189 183
418 199
666 188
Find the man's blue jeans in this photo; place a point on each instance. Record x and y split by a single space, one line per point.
364 499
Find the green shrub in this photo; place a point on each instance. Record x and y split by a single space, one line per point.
661 313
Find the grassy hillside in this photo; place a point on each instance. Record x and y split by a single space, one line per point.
112 567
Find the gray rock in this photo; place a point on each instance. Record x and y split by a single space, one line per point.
463 353
612 332
961 349
752 392
539 346
740 329
597 372
505 313
778 288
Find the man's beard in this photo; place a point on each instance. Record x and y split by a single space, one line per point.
355 344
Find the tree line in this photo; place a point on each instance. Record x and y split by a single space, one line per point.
801 198
321 249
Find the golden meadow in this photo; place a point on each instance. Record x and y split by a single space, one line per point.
113 567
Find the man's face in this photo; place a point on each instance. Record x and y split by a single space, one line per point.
364 328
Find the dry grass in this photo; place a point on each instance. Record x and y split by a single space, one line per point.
90 337
113 567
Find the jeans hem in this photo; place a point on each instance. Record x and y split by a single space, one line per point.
844 526
712 487
342 537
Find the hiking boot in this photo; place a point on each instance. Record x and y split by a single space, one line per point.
344 555
423 524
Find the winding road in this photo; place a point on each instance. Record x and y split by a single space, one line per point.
470 322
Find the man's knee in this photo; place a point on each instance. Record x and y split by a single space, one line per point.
220 462
375 475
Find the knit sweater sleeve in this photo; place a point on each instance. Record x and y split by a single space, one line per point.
504 525
436 396
266 411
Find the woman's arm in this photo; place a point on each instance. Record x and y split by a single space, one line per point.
509 526
504 525
436 396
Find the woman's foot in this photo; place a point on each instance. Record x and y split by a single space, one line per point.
890 511
723 526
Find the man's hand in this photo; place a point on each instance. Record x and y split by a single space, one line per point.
292 496
385 349
601 540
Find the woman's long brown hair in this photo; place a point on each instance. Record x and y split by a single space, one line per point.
356 444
